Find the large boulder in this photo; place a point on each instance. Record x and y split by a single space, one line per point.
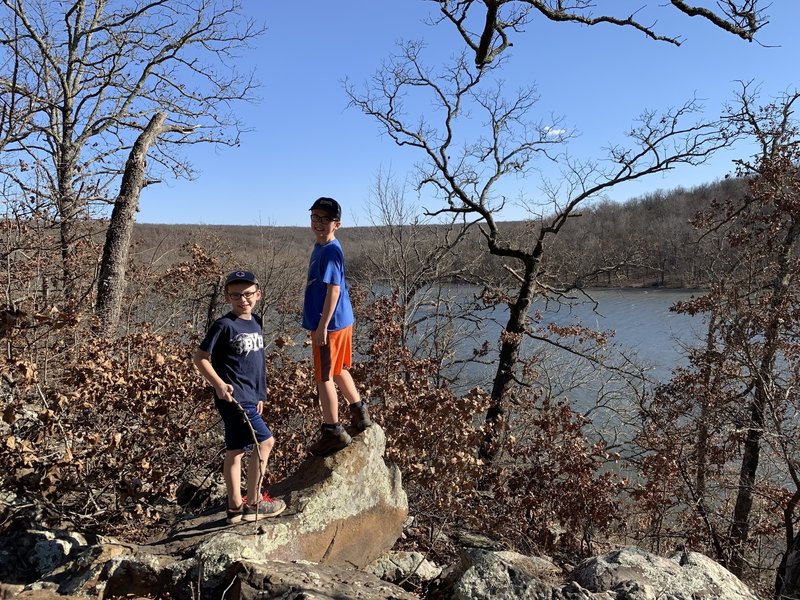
628 574
682 576
503 575
343 511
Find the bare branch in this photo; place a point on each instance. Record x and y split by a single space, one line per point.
742 18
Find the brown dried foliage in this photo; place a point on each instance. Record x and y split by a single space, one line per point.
98 433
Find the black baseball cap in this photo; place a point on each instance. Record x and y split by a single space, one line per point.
330 206
240 276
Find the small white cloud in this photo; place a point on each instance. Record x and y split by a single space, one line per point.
553 132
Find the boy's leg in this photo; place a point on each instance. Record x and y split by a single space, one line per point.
232 471
359 415
260 505
327 362
328 401
333 437
257 467
347 386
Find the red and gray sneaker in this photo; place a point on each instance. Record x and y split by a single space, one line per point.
267 506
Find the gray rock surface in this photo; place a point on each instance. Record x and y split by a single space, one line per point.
396 566
504 575
308 581
626 574
639 575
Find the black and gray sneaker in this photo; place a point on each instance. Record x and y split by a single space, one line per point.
359 416
331 440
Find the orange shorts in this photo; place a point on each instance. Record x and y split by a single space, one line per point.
329 360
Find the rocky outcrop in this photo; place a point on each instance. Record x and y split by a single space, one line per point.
344 511
626 574
682 576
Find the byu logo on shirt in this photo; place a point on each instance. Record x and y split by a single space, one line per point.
245 343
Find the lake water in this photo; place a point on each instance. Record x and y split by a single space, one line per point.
645 332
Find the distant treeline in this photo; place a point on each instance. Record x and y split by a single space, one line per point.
646 241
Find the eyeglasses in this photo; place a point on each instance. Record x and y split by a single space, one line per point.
324 220
238 296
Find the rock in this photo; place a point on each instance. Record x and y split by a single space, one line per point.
52 548
10 590
640 575
626 574
345 510
505 575
307 581
396 566
198 492
28 555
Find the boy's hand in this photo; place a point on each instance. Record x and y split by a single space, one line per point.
225 392
260 406
321 336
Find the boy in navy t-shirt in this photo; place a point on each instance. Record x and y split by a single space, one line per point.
231 358
328 315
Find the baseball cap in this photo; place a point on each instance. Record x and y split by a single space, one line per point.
329 205
245 276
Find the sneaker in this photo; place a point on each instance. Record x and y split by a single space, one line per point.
359 416
330 441
266 507
264 496
234 515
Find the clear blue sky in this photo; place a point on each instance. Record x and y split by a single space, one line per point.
307 142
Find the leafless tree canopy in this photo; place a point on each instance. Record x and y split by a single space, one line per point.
100 70
493 30
94 73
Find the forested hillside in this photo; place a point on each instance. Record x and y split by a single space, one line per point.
645 241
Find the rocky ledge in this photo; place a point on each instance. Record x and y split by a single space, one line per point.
345 513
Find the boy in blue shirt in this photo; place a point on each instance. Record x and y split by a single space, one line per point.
328 315
231 358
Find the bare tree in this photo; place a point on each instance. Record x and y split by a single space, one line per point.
730 420
101 69
742 18
465 177
417 259
761 325
111 282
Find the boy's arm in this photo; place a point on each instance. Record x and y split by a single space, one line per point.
331 298
202 360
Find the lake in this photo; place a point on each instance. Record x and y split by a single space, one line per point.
645 333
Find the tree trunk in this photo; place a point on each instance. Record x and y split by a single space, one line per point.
740 528
762 393
111 283
69 209
511 341
787 577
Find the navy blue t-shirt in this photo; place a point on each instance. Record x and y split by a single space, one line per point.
326 267
236 347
